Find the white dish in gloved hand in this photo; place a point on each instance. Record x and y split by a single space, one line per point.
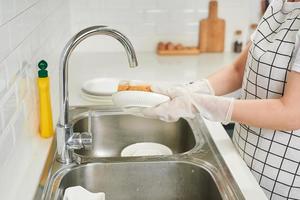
138 99
79 193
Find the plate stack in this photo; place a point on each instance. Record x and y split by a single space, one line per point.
100 90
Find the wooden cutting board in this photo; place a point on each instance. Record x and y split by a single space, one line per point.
212 31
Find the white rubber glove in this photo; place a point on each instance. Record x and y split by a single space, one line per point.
188 105
202 86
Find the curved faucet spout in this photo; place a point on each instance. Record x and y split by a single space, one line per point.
71 45
64 130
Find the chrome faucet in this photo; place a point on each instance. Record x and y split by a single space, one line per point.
67 141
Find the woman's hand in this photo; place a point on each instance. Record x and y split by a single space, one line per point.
276 114
188 104
202 86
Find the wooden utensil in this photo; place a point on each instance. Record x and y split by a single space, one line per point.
212 31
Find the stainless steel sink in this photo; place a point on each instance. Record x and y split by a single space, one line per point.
195 170
142 180
112 133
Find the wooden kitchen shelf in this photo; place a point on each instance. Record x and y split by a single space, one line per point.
174 52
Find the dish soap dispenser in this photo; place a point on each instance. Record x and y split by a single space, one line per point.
46 125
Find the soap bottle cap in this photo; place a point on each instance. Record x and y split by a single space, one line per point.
43 73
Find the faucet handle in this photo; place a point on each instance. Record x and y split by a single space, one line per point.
80 141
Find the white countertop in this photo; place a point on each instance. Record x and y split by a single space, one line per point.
83 67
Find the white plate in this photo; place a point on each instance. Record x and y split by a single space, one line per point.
95 97
103 100
100 86
146 149
129 99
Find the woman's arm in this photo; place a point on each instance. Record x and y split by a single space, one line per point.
278 114
230 77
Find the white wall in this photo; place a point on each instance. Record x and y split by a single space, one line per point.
30 30
146 22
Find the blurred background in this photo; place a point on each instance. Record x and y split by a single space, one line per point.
146 22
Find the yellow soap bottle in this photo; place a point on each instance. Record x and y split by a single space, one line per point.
46 124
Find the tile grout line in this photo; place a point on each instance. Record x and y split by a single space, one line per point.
27 36
19 13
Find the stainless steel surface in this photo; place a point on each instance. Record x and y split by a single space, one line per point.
143 180
63 131
195 171
112 133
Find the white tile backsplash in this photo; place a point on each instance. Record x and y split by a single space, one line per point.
5 41
144 5
123 4
7 143
30 30
146 22
9 105
2 79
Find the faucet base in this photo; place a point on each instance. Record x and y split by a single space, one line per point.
64 154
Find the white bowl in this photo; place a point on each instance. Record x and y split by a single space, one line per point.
100 86
129 99
146 149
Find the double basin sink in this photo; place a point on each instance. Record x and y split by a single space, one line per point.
194 171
